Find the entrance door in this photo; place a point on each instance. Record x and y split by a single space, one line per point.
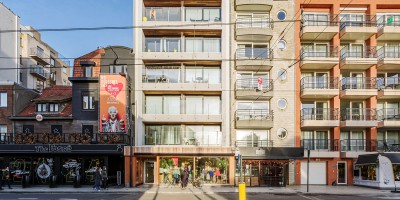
149 172
341 173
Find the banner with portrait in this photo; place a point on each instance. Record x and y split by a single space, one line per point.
112 112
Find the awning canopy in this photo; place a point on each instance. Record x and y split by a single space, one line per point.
372 158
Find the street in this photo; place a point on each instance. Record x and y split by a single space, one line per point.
186 196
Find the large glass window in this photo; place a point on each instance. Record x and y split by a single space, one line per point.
208 105
154 104
203 135
3 99
162 74
162 45
194 105
250 138
163 135
202 74
203 45
203 14
163 13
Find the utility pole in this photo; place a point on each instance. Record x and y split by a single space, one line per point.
308 168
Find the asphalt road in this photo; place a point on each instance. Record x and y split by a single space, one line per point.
153 196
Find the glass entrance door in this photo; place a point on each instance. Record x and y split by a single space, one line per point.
341 173
149 171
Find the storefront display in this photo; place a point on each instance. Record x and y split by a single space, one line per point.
270 173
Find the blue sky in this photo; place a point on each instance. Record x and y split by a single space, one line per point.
77 13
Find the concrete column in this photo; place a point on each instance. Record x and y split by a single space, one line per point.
156 170
232 165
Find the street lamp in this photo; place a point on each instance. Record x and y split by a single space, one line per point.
308 167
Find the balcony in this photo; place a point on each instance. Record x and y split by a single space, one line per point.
389 88
325 59
254 5
321 148
389 118
358 117
254 29
358 58
254 143
352 148
257 58
253 89
171 49
357 27
254 119
389 58
388 145
184 138
358 87
39 55
319 87
319 26
39 72
319 117
388 27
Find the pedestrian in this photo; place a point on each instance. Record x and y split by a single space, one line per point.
104 178
97 179
6 178
185 178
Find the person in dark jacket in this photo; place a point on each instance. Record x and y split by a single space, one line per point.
6 178
185 178
104 178
97 179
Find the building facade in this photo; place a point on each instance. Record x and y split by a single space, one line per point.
182 98
346 86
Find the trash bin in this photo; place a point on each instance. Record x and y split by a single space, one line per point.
53 181
25 180
77 181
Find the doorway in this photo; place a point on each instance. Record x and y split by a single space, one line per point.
149 172
341 172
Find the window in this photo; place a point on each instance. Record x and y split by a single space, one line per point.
282 45
20 77
3 133
281 15
118 69
252 138
3 99
89 71
28 129
41 107
64 69
282 133
56 129
163 135
282 75
282 103
52 61
87 102
202 14
53 107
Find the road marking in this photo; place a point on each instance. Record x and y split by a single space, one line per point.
388 197
27 198
310 197
67 199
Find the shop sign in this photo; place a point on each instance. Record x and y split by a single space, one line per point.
260 152
53 148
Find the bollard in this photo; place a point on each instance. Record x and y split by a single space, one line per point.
242 191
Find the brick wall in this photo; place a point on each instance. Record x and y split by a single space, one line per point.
94 56
6 112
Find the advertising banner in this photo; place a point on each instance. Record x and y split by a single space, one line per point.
112 103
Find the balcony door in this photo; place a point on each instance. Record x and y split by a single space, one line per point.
357 111
392 50
357 50
322 140
249 80
322 110
321 80
357 81
392 111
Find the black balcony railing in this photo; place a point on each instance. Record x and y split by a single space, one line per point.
254 143
355 52
358 145
320 114
319 82
357 20
388 145
329 52
359 83
389 114
254 114
321 144
388 20
388 52
358 114
311 19
388 83
253 84
64 138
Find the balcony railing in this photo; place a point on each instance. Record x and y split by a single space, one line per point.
40 53
364 52
254 53
254 143
179 138
39 70
358 114
321 144
319 82
329 52
389 114
253 84
173 74
388 145
320 114
388 52
388 83
357 20
162 14
192 107
254 22
359 83
353 145
388 20
319 20
64 138
254 114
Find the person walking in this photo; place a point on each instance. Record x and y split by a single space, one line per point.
6 178
97 179
104 178
185 178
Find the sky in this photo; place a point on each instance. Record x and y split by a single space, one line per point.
43 14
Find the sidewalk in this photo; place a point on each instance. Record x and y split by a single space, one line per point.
208 189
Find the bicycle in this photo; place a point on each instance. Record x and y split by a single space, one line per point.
197 183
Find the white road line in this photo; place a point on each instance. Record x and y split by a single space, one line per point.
388 197
309 197
27 198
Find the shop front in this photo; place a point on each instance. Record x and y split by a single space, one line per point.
210 166
266 167
61 164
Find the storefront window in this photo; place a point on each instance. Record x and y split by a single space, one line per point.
263 173
19 167
396 172
90 168
368 172
71 168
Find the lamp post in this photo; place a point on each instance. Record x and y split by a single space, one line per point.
308 168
